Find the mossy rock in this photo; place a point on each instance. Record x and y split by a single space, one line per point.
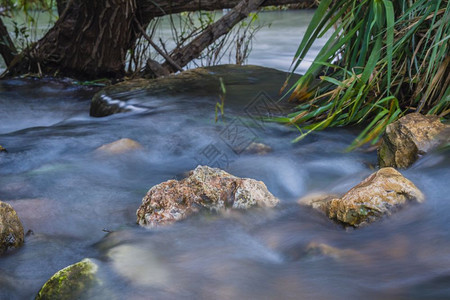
380 194
243 83
205 188
72 282
411 137
11 229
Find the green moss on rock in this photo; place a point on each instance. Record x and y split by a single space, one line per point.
72 282
11 229
380 194
409 138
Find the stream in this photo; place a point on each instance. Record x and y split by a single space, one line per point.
79 203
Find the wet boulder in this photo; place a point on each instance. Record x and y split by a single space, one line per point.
380 194
119 147
409 138
72 282
242 84
205 188
2 149
11 229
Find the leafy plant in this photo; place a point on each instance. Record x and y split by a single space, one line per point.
24 16
220 106
382 59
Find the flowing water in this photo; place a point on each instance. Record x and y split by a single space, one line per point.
70 196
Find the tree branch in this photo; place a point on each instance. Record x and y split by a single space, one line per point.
156 8
182 56
169 60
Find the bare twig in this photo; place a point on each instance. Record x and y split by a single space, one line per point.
159 50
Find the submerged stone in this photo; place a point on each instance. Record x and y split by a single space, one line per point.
11 229
410 137
258 148
321 249
378 195
72 282
205 188
119 147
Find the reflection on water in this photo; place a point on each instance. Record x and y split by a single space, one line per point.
70 197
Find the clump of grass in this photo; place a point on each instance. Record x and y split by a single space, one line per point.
383 58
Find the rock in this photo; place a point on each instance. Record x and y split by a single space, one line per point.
322 249
154 70
410 137
11 229
119 147
379 194
2 149
258 148
205 188
72 282
242 84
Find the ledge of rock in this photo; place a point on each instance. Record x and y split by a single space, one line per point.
196 83
380 194
72 282
408 138
205 188
11 229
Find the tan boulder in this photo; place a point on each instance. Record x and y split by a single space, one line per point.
205 188
119 147
406 139
379 194
11 229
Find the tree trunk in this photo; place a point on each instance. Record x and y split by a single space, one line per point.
91 38
61 5
7 49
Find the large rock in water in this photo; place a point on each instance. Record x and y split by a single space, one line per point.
410 137
72 282
379 194
243 83
205 188
11 229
